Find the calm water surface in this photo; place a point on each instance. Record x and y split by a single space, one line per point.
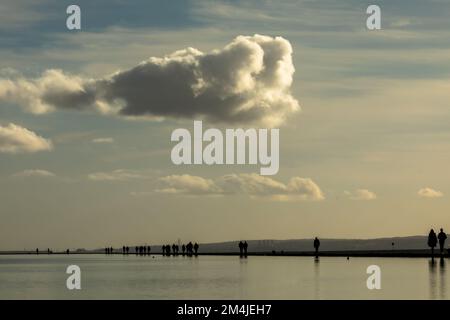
220 277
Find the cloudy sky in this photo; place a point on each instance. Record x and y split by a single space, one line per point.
86 118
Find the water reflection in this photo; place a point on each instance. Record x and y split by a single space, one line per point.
442 291
437 280
432 278
223 277
316 278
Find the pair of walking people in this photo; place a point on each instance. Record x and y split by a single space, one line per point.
433 240
243 246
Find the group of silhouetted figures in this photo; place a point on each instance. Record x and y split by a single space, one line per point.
192 249
48 251
188 249
433 241
109 250
138 250
243 246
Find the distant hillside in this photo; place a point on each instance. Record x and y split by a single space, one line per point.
416 243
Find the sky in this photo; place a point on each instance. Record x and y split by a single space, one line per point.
86 118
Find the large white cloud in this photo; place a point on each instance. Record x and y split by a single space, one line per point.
429 193
247 82
16 139
252 185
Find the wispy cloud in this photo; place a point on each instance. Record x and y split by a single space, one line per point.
34 173
103 140
21 14
117 175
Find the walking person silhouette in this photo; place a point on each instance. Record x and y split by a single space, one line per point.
316 246
241 249
196 248
442 237
189 249
432 241
245 246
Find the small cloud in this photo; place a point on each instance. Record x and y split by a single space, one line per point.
429 193
116 175
103 140
34 173
188 184
16 139
361 194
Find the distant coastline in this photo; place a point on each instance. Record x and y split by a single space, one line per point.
373 253
407 247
